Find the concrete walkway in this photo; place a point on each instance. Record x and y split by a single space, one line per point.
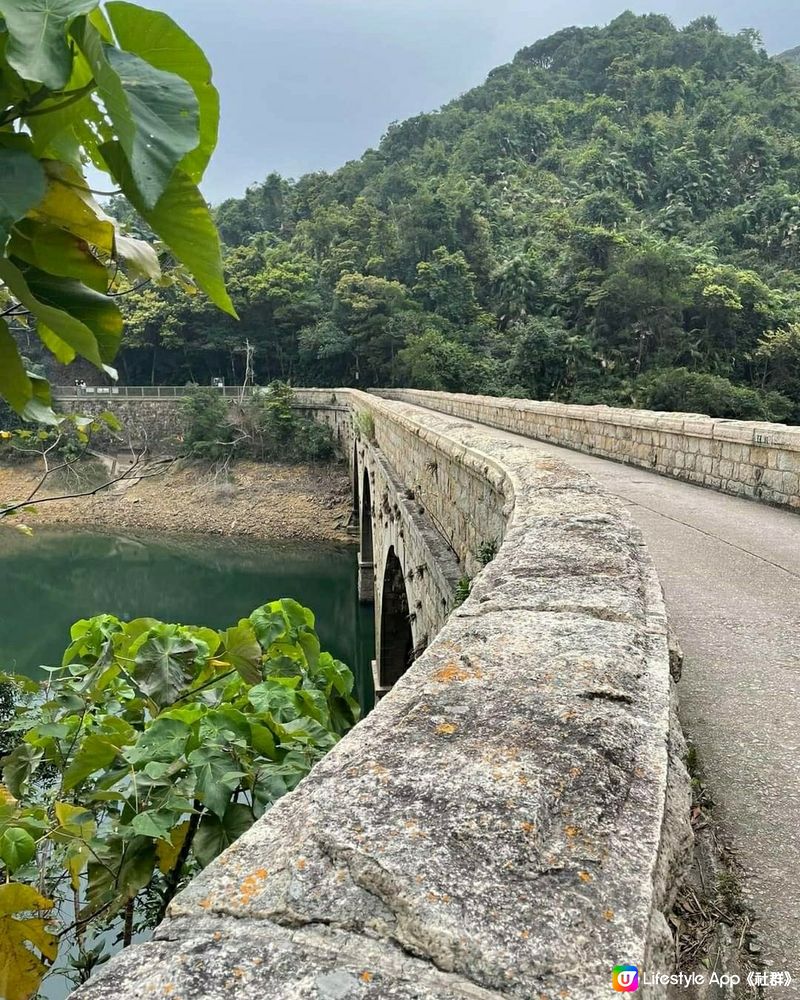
731 574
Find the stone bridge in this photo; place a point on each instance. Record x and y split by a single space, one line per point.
512 819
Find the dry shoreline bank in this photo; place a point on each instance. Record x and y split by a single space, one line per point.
277 502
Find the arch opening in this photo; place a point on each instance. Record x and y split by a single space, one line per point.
397 641
366 521
354 515
366 559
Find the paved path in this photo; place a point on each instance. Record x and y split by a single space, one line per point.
731 573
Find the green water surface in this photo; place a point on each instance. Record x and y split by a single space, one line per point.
51 580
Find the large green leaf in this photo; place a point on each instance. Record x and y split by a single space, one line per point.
164 741
161 666
72 330
157 824
215 834
15 386
38 48
100 313
156 38
122 869
242 651
18 768
273 698
17 848
269 624
24 184
217 775
182 219
95 753
89 322
155 114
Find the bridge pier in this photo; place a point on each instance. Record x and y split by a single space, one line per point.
366 580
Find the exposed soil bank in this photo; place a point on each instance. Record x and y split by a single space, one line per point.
309 502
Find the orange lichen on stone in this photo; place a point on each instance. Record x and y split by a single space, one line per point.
435 897
453 672
252 886
169 988
608 914
301 865
528 827
571 832
366 976
446 728
205 903
584 876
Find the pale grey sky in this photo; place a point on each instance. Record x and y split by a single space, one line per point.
309 84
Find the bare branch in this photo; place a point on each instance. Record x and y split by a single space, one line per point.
127 474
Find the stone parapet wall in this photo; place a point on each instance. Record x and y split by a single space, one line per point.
746 458
512 819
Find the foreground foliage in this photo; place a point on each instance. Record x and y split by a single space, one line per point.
149 751
615 203
125 89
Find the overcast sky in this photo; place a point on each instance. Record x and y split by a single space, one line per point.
309 84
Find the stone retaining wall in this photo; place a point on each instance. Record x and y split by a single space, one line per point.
747 458
509 822
146 423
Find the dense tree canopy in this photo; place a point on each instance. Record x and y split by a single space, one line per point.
609 218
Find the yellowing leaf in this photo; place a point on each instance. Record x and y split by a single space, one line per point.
68 204
6 798
25 943
167 853
75 821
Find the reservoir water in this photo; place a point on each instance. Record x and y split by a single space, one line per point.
56 577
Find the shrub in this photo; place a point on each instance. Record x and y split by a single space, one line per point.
698 392
144 755
272 431
207 432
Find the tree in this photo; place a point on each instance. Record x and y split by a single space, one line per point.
446 286
367 308
127 90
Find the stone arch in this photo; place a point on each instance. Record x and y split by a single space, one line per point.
366 557
396 652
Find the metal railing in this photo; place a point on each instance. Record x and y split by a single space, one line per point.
142 391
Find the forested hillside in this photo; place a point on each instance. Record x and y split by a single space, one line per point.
612 217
